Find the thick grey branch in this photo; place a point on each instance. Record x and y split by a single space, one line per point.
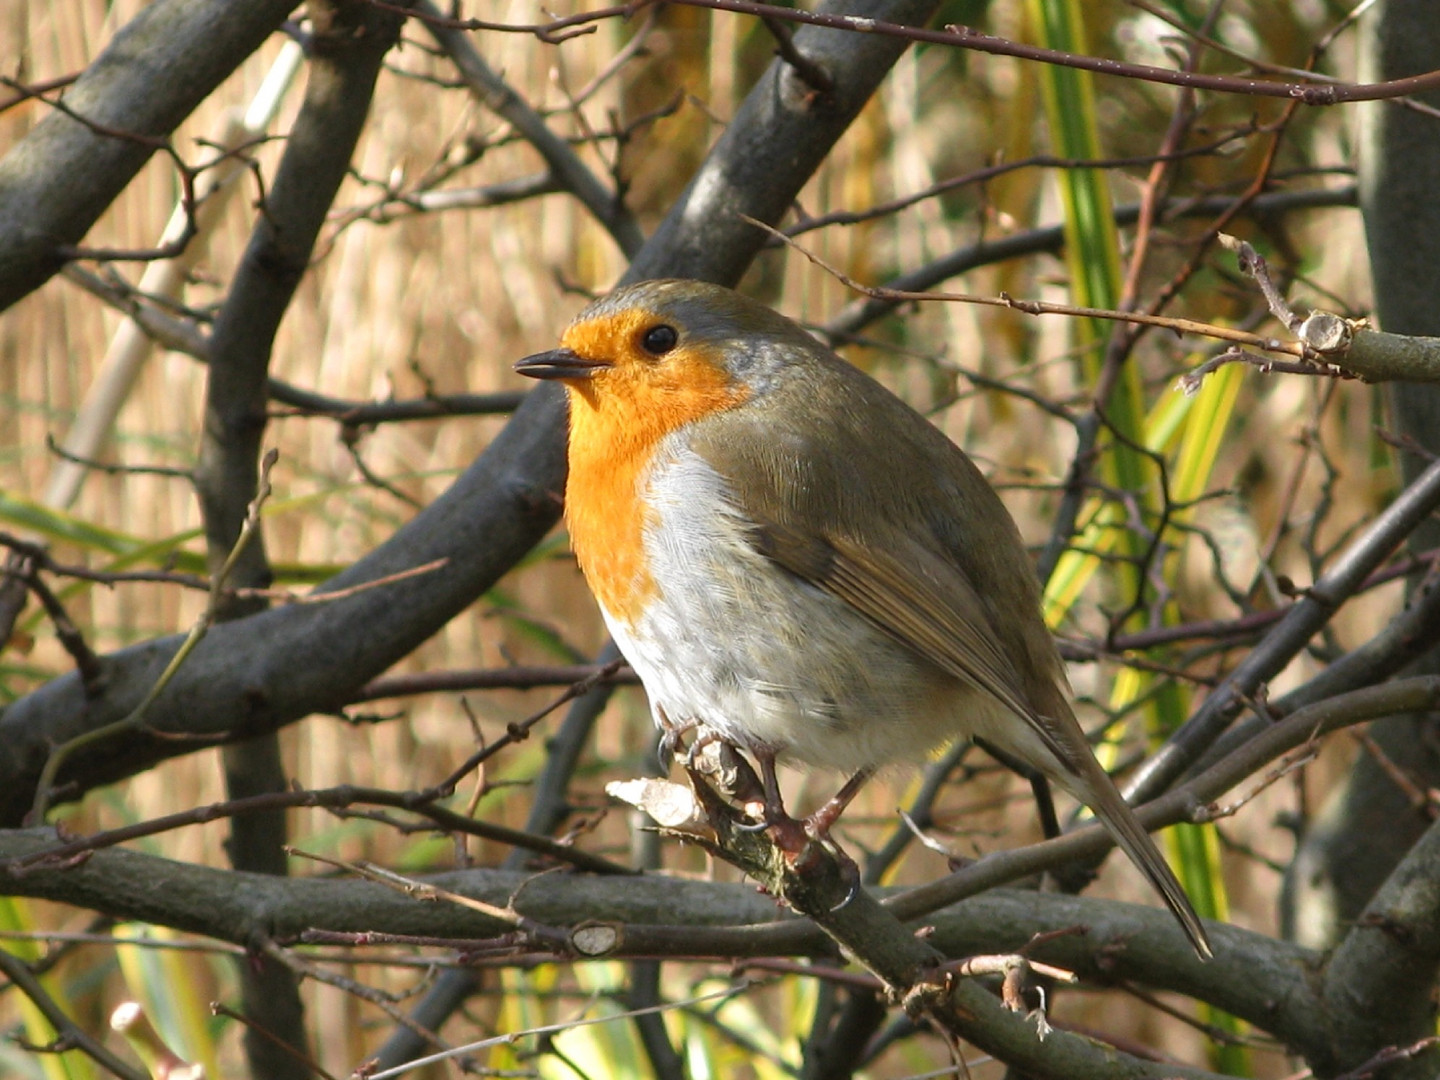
1380 357
1411 633
1411 508
274 668
782 131
1380 982
909 964
660 916
261 673
63 175
236 907
1264 981
350 42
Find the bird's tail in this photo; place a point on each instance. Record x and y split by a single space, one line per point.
1115 813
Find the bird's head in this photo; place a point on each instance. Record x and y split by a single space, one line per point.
652 357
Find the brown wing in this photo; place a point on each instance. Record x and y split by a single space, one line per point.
881 510
919 600
931 609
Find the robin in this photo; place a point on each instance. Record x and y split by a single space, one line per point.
794 560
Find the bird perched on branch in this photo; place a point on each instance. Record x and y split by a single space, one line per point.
794 560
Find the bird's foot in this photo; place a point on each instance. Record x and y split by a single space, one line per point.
802 842
785 832
672 746
817 829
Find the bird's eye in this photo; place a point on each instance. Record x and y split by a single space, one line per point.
659 339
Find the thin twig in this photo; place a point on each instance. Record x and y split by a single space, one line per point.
135 719
1040 307
221 1009
810 73
328 798
71 1034
965 37
555 1029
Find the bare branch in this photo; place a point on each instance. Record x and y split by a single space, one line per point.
57 181
965 37
567 168
1300 624
71 1034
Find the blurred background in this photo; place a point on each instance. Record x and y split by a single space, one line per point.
426 282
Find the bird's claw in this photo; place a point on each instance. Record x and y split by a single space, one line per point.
817 828
788 834
672 741
850 872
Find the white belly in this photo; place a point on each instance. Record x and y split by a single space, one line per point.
743 647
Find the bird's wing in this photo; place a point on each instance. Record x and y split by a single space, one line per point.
921 601
831 524
927 605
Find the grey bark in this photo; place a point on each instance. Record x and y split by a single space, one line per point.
1264 980
1301 622
564 164
349 43
1379 984
261 673
1367 825
548 811
258 674
63 175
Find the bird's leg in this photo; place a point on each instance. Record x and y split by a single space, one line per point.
794 837
774 804
823 820
1045 805
789 835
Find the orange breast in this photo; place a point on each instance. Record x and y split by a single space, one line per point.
619 418
605 513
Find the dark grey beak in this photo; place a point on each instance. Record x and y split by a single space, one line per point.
559 364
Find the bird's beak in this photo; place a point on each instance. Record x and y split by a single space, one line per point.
559 364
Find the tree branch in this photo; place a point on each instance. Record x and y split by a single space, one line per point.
565 165
63 175
1308 93
70 1034
653 916
1379 983
269 670
1289 636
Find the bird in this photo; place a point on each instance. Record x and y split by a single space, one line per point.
795 561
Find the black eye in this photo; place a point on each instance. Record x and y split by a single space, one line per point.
659 339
